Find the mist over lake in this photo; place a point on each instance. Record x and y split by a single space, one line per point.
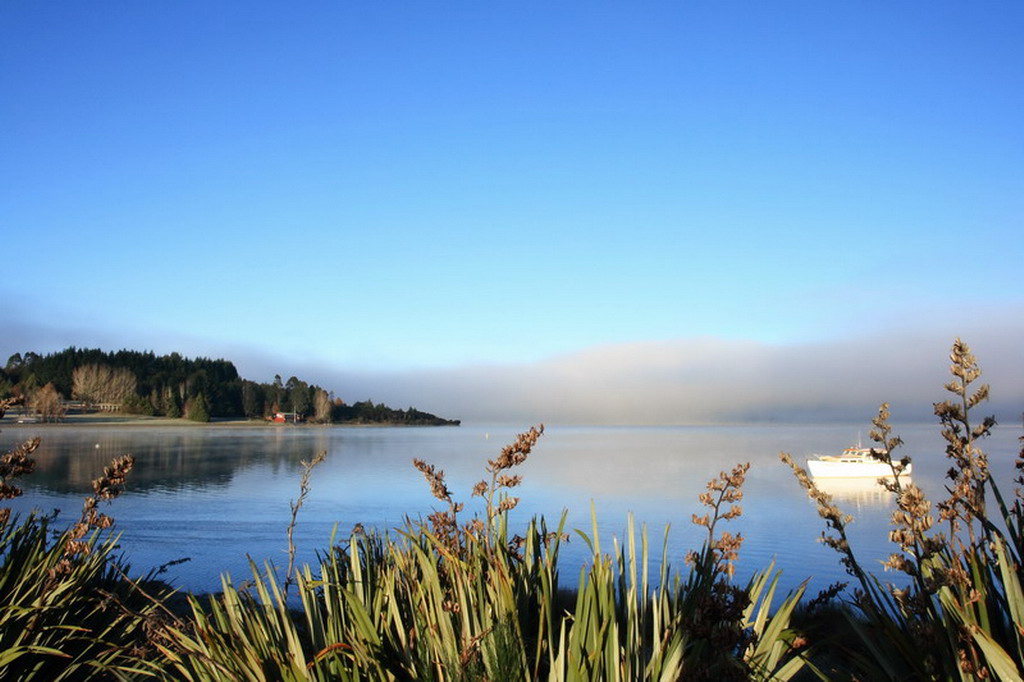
220 494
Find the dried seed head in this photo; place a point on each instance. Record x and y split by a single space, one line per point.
6 404
835 520
14 464
516 544
726 488
111 483
552 536
734 511
435 477
969 473
826 596
506 481
516 453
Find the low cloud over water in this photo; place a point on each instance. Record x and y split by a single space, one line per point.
709 380
684 381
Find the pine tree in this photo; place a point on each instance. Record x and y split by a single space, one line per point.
171 408
198 410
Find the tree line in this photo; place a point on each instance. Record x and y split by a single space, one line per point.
174 386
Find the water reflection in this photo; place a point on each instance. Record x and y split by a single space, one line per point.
221 494
859 492
69 458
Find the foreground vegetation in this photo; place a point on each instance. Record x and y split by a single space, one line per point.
457 598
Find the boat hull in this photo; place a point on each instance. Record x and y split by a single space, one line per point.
873 469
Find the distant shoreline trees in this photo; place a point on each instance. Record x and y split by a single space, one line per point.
174 386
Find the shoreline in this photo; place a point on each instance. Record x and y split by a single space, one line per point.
116 419
10 421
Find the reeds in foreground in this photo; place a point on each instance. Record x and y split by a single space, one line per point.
444 601
67 609
962 614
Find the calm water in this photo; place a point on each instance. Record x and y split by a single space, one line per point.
218 494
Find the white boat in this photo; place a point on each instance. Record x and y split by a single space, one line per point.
855 462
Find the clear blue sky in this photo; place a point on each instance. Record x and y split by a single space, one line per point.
408 185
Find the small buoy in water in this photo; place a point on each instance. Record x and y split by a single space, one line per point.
487 436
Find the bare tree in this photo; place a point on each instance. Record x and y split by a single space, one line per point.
321 407
48 404
103 384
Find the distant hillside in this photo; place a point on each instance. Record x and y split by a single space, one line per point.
176 386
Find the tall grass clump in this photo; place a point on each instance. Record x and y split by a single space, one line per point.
441 600
67 609
703 627
960 615
457 598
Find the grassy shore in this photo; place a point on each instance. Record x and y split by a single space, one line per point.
139 420
121 419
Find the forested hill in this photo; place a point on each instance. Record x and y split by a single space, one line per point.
175 386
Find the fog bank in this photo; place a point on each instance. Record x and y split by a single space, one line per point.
707 380
684 381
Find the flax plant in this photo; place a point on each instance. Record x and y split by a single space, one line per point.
435 602
511 456
13 465
67 608
448 601
623 627
961 616
728 629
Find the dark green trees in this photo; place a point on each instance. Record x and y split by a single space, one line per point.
298 396
198 410
173 386
155 378
252 399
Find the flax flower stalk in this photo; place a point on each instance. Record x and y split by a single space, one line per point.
962 615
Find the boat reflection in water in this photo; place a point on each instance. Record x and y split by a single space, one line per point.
862 492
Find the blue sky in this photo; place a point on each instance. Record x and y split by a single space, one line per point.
416 190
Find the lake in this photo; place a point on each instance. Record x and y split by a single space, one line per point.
218 494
